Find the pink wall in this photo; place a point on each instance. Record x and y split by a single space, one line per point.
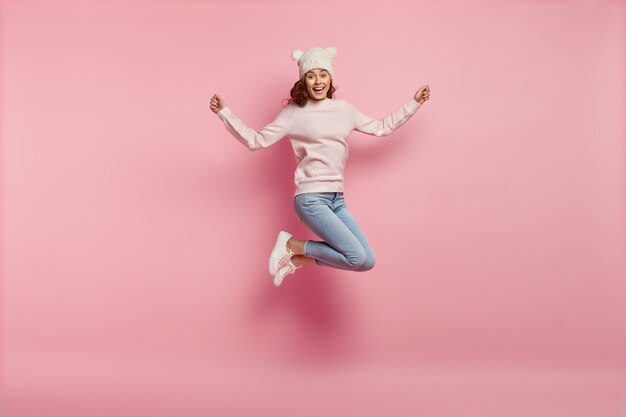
136 229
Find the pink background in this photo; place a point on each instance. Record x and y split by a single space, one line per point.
136 229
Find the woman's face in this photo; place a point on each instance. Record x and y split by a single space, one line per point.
317 83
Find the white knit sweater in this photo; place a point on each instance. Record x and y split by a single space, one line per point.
318 133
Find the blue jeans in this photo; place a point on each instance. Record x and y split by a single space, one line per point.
344 245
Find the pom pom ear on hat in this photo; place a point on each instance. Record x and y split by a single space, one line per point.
295 55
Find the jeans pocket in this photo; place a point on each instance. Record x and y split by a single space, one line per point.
312 199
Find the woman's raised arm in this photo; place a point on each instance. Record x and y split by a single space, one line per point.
383 127
263 138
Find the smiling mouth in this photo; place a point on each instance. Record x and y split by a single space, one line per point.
318 90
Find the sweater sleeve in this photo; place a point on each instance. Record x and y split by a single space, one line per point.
383 127
265 137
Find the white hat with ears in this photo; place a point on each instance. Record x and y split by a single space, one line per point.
315 58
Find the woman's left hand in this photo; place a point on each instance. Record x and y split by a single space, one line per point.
422 94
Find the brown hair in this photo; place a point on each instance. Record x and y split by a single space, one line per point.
300 96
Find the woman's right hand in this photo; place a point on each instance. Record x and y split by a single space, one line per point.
217 103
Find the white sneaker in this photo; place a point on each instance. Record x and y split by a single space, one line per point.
288 268
280 255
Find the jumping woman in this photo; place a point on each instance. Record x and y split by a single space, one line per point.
317 124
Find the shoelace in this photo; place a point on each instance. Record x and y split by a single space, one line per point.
285 257
291 269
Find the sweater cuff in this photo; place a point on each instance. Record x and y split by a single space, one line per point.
225 111
413 105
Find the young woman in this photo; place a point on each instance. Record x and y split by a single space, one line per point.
318 125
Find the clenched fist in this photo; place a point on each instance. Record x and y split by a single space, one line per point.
422 94
217 103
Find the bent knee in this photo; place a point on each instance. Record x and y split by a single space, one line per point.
356 260
369 263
